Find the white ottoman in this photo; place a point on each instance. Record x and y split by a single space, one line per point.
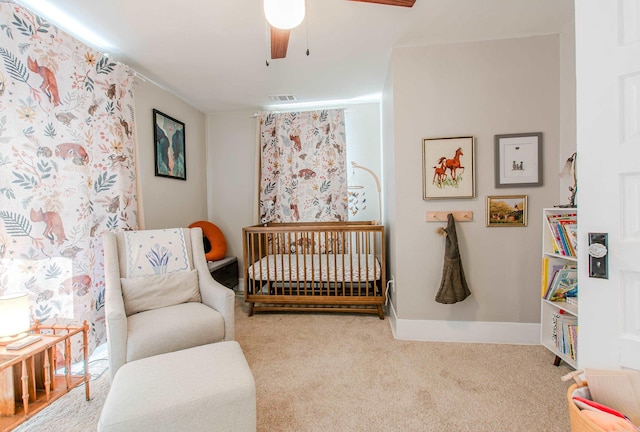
206 388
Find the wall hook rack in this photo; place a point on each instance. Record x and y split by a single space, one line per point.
441 216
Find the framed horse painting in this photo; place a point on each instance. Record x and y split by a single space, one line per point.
448 168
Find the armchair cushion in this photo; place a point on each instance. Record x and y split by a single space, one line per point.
152 292
166 329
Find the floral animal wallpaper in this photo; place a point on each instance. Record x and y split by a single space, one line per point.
66 167
303 175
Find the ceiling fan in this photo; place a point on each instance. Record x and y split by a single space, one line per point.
280 37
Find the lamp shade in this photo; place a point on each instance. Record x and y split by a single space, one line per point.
284 14
568 168
14 314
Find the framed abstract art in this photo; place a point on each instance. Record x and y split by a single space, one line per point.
169 139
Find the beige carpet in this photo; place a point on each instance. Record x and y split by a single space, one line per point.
336 372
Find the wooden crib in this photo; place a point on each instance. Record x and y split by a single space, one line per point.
335 266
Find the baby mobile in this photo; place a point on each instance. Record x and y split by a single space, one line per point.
357 200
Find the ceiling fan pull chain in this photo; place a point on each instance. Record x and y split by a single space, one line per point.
267 43
306 6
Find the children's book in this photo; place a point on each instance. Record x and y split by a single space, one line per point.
565 284
570 230
561 241
552 275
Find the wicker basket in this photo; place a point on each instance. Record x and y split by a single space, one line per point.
579 423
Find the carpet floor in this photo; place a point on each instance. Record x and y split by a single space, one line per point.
330 372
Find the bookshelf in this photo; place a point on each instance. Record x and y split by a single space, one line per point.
559 301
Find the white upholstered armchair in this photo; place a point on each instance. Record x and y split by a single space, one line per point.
160 296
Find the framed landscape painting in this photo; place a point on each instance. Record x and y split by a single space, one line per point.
447 168
507 211
170 160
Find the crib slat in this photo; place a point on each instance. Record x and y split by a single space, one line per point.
297 272
366 265
344 249
359 235
334 247
304 263
375 254
253 259
260 258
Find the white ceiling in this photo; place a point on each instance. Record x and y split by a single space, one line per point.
212 53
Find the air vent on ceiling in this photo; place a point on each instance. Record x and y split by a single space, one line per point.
282 98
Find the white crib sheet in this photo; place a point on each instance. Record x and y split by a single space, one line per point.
319 268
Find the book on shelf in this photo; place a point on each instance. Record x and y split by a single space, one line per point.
561 282
563 229
551 281
565 334
554 240
569 228
549 271
563 285
570 330
545 277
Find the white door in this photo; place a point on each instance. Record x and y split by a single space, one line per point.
608 146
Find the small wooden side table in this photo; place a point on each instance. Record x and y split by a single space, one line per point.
29 381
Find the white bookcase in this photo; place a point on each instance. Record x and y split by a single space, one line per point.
558 319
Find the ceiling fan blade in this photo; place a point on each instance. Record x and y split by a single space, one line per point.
279 42
404 3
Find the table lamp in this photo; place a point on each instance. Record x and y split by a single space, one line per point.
569 171
14 317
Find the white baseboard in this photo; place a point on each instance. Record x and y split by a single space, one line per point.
393 318
464 331
239 289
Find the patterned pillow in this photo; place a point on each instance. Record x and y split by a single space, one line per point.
154 252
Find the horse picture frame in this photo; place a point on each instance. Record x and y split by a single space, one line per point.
448 168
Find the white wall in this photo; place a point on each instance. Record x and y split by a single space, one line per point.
390 196
362 124
169 202
568 140
475 89
231 150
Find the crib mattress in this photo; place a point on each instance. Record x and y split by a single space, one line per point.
316 268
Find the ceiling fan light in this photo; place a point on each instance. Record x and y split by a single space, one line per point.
284 14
